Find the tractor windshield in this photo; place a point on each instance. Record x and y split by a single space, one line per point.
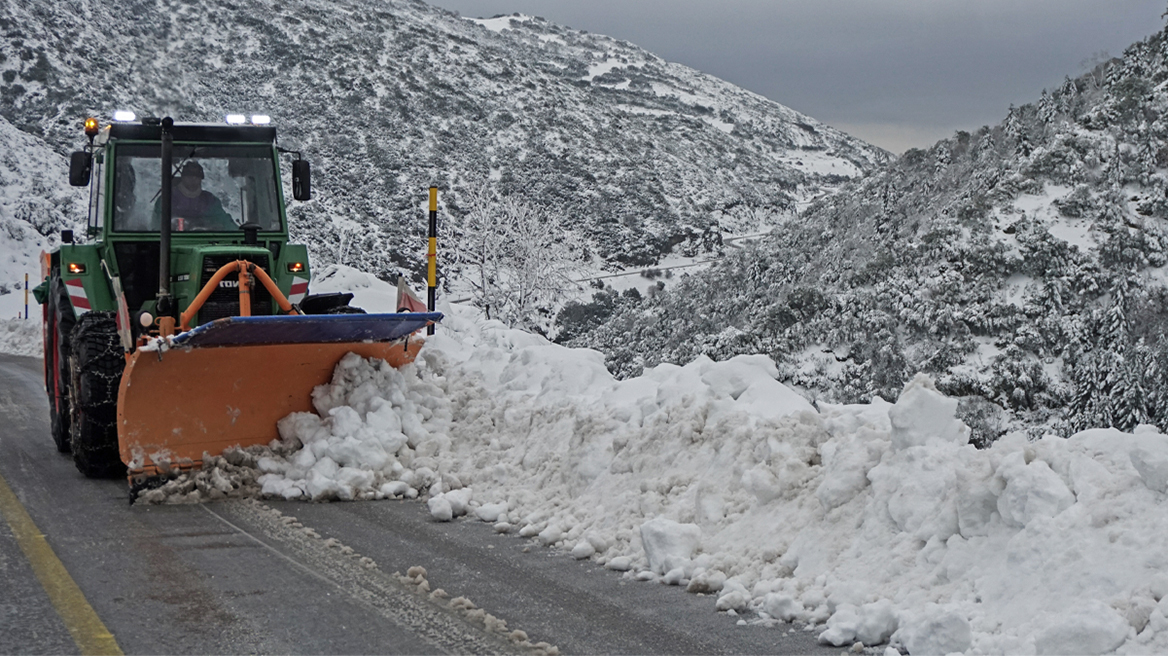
213 188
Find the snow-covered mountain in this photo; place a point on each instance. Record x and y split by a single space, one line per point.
387 97
1023 265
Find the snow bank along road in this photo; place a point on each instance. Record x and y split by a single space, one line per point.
290 577
873 523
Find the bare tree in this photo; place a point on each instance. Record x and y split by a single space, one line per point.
519 261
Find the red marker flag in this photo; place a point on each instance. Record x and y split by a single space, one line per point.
406 301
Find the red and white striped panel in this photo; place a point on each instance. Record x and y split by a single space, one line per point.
77 296
299 290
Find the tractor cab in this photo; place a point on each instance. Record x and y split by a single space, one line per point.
217 188
226 203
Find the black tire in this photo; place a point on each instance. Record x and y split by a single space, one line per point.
96 362
58 329
345 309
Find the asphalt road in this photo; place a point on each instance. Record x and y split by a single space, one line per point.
287 577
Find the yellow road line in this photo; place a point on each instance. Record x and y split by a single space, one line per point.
83 623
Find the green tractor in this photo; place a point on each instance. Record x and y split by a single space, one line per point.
183 325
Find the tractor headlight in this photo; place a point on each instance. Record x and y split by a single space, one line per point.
296 267
76 268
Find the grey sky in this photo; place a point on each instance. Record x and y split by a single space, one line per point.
897 73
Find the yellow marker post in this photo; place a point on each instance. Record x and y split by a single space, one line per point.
432 258
79 617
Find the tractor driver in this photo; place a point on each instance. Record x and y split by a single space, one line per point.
191 207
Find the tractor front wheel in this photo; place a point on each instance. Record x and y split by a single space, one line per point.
96 365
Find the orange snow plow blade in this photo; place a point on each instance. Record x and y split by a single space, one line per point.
206 394
196 401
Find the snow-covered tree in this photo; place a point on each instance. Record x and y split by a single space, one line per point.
519 261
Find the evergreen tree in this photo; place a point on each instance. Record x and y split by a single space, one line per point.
1129 396
1116 328
1158 389
1084 409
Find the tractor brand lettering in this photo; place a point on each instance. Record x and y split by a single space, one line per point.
230 284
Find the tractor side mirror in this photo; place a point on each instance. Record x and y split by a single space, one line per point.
301 180
80 164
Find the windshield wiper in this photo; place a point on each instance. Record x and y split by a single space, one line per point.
177 168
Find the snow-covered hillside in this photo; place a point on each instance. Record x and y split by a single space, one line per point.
36 203
875 523
1024 265
387 97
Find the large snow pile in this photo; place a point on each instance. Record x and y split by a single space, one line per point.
877 521
870 523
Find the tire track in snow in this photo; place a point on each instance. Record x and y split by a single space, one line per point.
449 625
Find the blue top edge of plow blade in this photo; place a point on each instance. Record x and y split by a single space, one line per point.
306 329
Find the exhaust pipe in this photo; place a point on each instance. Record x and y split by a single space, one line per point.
163 306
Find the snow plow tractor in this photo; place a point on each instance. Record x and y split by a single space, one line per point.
183 326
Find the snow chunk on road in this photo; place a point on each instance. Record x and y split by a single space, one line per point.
669 544
935 630
870 624
440 508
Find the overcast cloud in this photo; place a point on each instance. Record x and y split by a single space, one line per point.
897 73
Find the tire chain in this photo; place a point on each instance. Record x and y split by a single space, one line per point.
57 362
96 364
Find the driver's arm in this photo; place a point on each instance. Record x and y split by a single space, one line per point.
217 217
177 223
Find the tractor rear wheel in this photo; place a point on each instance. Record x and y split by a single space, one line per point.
96 363
58 329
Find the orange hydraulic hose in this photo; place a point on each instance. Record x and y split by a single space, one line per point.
270 285
244 292
205 293
243 267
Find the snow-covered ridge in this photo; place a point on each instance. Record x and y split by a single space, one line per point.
500 23
873 522
388 97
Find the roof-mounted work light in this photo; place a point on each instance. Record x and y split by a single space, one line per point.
260 119
236 119
125 116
